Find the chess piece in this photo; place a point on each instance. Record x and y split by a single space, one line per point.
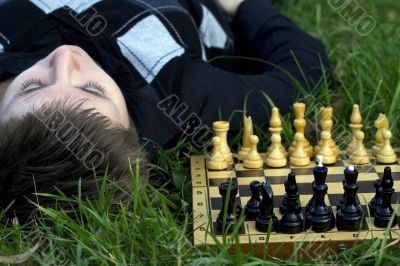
247 132
376 201
253 205
299 124
216 160
319 217
359 155
291 222
299 157
266 218
386 155
275 127
381 124
326 125
356 125
290 188
221 129
253 159
385 214
276 157
350 216
319 171
326 152
227 216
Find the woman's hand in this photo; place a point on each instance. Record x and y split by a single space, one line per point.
230 6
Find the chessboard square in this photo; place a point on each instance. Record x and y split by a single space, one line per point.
396 185
395 198
215 182
333 199
334 178
335 188
305 188
362 177
276 179
244 190
221 174
278 189
277 172
278 199
277 213
335 170
395 167
245 181
304 199
244 200
305 179
365 198
249 173
366 186
396 176
214 192
302 171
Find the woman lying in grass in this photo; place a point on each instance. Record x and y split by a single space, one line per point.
79 78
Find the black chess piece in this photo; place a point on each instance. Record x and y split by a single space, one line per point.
291 222
385 213
350 216
266 217
253 205
319 217
290 185
227 216
321 172
376 201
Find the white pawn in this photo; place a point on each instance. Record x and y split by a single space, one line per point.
253 159
299 156
217 160
386 155
276 157
359 155
326 151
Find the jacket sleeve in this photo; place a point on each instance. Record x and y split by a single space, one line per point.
291 63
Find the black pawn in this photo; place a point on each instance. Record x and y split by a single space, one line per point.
290 185
291 222
319 217
266 217
385 213
253 205
376 201
350 216
228 204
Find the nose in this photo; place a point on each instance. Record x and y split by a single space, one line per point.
64 63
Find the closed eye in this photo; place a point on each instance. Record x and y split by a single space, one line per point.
32 85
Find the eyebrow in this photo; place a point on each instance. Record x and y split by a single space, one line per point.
100 94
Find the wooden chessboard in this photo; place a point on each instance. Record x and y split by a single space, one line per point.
207 204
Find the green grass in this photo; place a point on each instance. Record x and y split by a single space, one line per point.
155 227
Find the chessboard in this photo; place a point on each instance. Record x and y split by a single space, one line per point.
207 204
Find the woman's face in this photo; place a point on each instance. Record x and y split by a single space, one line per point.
67 73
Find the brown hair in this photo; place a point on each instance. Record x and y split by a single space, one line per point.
55 147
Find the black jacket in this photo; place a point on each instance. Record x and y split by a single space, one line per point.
173 59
